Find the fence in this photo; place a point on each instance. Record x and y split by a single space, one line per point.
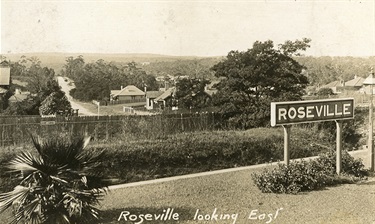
17 130
115 102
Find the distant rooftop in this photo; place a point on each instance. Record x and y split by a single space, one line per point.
4 76
130 90
357 82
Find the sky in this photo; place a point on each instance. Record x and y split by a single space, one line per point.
186 28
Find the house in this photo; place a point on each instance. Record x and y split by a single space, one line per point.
368 86
4 82
354 84
150 97
129 93
19 96
210 88
4 77
336 86
166 98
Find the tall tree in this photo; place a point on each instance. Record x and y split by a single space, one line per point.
190 93
250 80
73 66
96 80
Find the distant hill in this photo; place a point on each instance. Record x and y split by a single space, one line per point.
57 60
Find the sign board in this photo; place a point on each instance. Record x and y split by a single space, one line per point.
292 112
48 122
96 102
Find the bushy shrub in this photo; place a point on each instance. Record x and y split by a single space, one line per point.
309 175
7 180
60 183
298 176
326 92
349 164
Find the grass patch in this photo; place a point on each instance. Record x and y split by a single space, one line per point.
129 159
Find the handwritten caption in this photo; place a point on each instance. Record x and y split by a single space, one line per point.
170 214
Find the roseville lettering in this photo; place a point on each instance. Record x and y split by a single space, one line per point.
283 113
166 215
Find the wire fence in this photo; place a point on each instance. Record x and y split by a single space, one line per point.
17 130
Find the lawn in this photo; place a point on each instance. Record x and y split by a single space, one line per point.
234 193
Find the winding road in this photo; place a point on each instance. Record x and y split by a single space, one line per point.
65 87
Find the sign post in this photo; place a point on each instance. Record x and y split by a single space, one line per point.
286 144
293 112
338 146
370 145
97 104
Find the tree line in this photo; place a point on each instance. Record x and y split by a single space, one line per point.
323 70
247 80
45 95
94 81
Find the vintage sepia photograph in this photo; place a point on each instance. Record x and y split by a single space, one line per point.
187 111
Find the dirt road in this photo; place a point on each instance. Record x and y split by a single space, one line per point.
75 105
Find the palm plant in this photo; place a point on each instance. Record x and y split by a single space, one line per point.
58 184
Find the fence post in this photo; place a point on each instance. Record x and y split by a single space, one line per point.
2 136
106 128
182 123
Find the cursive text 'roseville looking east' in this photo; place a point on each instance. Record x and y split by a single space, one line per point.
170 216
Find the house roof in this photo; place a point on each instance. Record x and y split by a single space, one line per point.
4 76
356 82
332 84
370 80
153 94
18 97
210 91
165 95
2 90
128 91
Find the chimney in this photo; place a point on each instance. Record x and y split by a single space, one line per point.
122 87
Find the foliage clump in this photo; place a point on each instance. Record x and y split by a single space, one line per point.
45 95
251 80
58 184
310 175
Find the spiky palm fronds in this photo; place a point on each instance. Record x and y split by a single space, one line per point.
58 184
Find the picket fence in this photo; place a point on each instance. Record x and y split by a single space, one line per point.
16 130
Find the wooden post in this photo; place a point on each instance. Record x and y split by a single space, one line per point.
182 122
106 127
370 140
338 146
286 144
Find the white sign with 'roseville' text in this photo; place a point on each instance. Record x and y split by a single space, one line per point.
284 113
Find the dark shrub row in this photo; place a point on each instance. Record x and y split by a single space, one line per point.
309 175
143 159
204 151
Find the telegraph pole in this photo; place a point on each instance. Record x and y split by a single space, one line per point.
370 145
